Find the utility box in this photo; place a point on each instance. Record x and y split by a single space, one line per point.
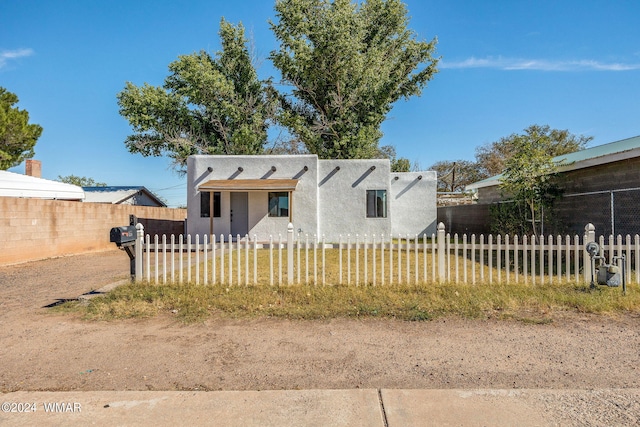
123 236
609 275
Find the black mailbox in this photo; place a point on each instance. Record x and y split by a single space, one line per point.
123 236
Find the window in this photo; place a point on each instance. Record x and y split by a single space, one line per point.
376 203
205 204
279 204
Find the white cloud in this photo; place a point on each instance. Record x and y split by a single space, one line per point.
538 64
7 55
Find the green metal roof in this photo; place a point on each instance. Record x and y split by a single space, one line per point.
582 158
600 151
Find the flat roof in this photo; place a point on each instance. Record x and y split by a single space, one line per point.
249 185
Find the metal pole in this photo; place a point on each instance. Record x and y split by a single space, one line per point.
211 207
613 230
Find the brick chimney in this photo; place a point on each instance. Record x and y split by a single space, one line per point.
33 168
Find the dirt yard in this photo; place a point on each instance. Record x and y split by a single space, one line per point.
44 351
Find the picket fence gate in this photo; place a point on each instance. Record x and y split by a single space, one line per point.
377 260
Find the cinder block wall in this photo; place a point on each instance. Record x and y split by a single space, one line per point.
34 229
465 219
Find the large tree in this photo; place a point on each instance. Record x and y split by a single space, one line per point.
207 105
347 63
492 158
528 178
17 136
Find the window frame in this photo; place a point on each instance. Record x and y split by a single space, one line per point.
205 204
373 212
282 212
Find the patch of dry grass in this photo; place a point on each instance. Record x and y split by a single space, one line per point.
193 303
367 287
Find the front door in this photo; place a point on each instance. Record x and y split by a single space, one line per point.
239 214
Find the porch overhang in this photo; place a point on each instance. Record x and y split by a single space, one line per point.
249 185
242 185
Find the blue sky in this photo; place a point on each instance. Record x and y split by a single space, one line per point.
506 64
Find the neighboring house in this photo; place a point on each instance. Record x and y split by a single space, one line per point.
260 195
25 186
137 195
600 185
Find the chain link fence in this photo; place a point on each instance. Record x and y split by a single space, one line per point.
613 212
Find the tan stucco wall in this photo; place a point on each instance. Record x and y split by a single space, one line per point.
34 229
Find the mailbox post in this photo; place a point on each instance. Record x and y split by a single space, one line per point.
125 238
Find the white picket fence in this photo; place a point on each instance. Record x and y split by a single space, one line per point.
376 259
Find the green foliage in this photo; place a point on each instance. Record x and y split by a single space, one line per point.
208 105
400 165
397 164
491 158
508 218
529 179
513 218
17 136
347 64
81 181
530 172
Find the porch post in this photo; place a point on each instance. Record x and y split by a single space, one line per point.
290 254
290 207
210 214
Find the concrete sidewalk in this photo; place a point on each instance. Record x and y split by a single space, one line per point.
326 408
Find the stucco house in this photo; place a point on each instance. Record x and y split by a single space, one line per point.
260 195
